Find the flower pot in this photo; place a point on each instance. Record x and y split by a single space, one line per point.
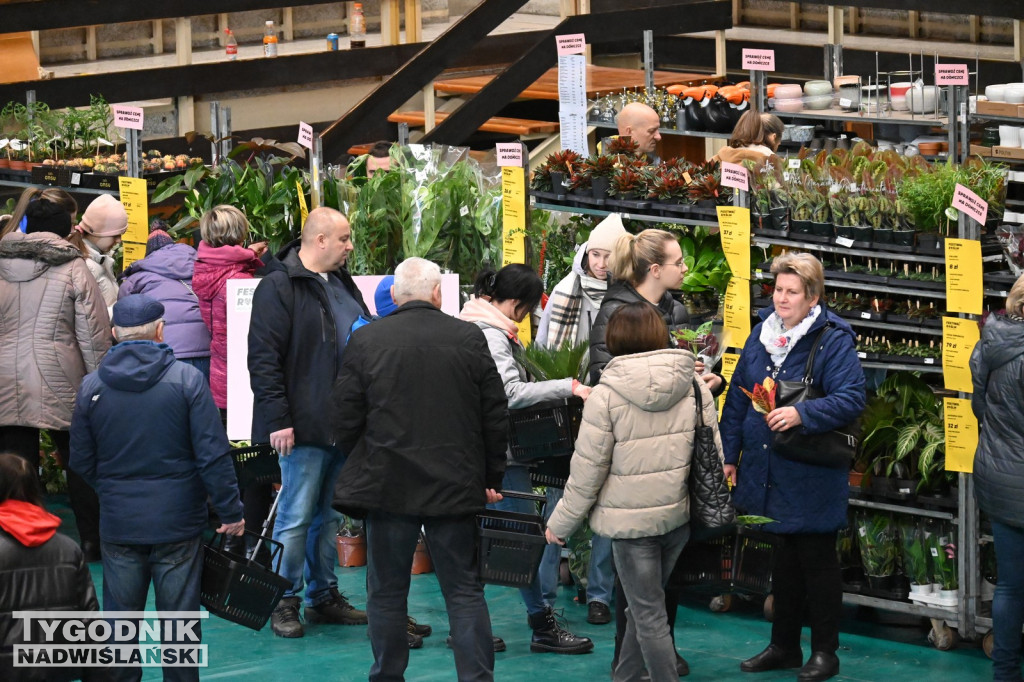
557 180
5 162
881 235
800 226
856 478
18 165
928 242
822 229
780 218
351 551
862 233
903 237
760 222
421 562
946 598
599 186
919 590
844 231
628 196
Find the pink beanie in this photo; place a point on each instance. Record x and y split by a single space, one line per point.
104 217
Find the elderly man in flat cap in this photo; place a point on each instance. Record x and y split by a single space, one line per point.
146 435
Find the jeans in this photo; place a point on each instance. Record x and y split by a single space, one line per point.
1008 603
306 523
806 575
202 364
643 566
176 571
517 478
600 570
390 544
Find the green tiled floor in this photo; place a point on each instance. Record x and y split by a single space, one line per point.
873 646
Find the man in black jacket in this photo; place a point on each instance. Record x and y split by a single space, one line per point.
303 313
420 405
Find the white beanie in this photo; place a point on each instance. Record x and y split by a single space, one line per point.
606 233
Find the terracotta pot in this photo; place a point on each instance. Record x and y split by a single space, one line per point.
855 478
351 551
5 162
18 165
421 562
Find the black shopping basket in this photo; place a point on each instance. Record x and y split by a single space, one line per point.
552 472
256 464
239 589
545 430
510 544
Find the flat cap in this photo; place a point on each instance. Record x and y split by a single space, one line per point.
136 310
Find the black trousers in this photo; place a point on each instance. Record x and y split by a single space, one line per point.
806 580
24 441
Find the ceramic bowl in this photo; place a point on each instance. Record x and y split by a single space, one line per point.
789 105
1014 94
788 91
840 81
802 133
995 93
814 88
899 103
899 89
849 97
818 102
922 98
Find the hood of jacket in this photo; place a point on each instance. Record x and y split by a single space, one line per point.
134 366
24 257
624 292
29 524
653 381
1002 341
482 312
579 267
740 154
214 265
174 261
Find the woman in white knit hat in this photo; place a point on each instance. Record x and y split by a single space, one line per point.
99 231
570 313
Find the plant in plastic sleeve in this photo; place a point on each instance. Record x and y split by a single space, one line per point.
707 342
763 395
1011 238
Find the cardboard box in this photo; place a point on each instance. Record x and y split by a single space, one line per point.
1008 152
981 151
1000 109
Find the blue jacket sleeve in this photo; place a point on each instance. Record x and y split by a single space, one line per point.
210 445
735 410
269 335
82 444
842 381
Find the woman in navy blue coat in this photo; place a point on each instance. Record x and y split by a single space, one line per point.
807 502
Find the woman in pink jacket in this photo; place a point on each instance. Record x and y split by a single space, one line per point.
222 256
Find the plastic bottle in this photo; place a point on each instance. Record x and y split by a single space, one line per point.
231 46
357 27
270 40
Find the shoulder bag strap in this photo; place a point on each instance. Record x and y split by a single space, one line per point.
700 404
809 370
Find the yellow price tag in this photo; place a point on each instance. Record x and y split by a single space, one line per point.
963 276
135 199
513 220
734 224
302 204
131 252
737 311
729 361
959 337
961 434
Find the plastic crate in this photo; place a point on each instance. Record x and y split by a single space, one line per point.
240 590
255 465
753 567
510 545
547 430
552 472
706 564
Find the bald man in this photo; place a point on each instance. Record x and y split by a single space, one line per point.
303 312
640 122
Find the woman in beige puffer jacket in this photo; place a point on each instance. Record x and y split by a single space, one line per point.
629 474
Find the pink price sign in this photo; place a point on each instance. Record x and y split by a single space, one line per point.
951 74
571 43
128 117
306 135
966 201
734 175
509 154
759 60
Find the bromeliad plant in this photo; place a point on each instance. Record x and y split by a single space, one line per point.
567 361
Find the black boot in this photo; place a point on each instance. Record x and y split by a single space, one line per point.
550 636
772 658
284 621
821 666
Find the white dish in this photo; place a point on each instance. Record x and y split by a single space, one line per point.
995 93
922 98
788 91
815 88
899 103
818 102
1014 94
789 105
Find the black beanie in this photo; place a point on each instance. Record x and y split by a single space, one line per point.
46 216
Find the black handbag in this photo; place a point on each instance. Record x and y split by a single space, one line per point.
711 510
833 449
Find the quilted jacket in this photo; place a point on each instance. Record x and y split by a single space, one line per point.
632 460
54 329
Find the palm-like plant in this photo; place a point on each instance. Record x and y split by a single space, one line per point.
567 361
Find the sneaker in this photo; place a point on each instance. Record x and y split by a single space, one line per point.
337 610
598 613
284 621
415 641
499 643
418 629
550 636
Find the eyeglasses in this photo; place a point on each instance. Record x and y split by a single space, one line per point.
678 264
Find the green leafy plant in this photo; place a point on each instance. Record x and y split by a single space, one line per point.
876 537
915 554
939 540
567 361
705 262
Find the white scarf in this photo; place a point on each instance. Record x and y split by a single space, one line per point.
778 340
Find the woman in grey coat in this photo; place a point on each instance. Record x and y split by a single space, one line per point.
997 366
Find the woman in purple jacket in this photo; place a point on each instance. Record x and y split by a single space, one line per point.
166 275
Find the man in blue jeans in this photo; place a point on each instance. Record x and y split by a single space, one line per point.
146 435
421 407
303 311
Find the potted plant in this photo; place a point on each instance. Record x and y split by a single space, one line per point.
351 543
879 552
939 539
915 556
560 165
760 194
801 209
599 169
628 183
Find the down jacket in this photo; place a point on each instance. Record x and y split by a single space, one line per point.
42 570
166 275
802 498
632 458
213 268
54 329
997 366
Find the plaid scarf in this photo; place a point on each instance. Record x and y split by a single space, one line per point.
566 301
